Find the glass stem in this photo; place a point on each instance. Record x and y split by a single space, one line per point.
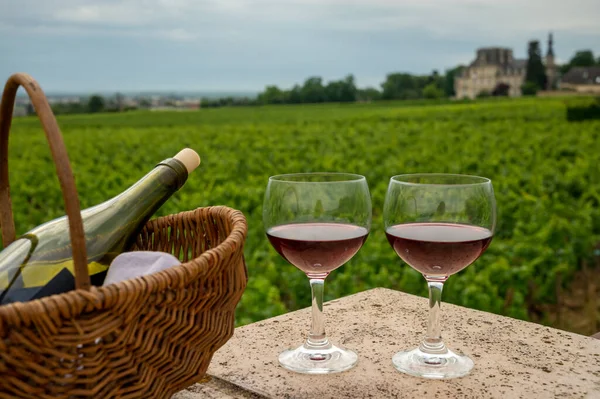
433 343
317 338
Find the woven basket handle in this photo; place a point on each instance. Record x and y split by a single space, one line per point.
63 169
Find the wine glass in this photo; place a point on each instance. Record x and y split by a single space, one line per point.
439 224
317 222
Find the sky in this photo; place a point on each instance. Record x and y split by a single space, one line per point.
234 45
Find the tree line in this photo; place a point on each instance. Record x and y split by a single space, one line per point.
96 103
397 86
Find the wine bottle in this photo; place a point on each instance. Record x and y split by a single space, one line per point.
40 263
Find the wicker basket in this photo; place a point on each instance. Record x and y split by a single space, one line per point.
142 338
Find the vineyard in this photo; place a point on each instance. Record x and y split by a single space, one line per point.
545 170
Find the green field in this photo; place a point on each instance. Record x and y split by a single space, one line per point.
545 171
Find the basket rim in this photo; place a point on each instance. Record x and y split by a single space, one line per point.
81 301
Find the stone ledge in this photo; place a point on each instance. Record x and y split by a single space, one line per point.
513 358
215 388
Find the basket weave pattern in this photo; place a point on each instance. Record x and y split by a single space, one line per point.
142 338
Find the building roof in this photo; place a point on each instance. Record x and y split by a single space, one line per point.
582 76
519 63
514 65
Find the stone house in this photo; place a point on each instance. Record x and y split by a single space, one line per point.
494 66
581 80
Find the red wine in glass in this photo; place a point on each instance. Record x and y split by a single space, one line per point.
300 211
414 205
317 248
438 249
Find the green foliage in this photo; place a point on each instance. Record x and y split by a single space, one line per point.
582 58
580 109
341 90
96 104
272 95
431 91
449 80
231 102
402 86
145 103
544 170
536 71
529 89
313 91
368 94
397 86
67 108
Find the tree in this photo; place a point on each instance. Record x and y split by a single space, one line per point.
332 91
435 77
349 90
71 107
449 80
294 96
145 102
399 86
431 91
96 103
341 90
313 90
529 89
583 58
368 94
271 95
536 72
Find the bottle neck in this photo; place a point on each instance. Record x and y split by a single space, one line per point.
125 214
147 195
179 168
167 177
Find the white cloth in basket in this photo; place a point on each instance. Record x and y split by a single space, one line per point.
138 263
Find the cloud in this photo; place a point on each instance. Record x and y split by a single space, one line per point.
251 43
470 18
186 19
178 35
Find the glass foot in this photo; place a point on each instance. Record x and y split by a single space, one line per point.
325 360
440 366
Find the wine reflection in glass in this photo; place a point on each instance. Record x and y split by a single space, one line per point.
438 224
317 222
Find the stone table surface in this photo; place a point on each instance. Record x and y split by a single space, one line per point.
513 358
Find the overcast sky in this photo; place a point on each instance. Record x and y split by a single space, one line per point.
132 45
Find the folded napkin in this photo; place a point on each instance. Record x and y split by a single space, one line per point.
129 265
